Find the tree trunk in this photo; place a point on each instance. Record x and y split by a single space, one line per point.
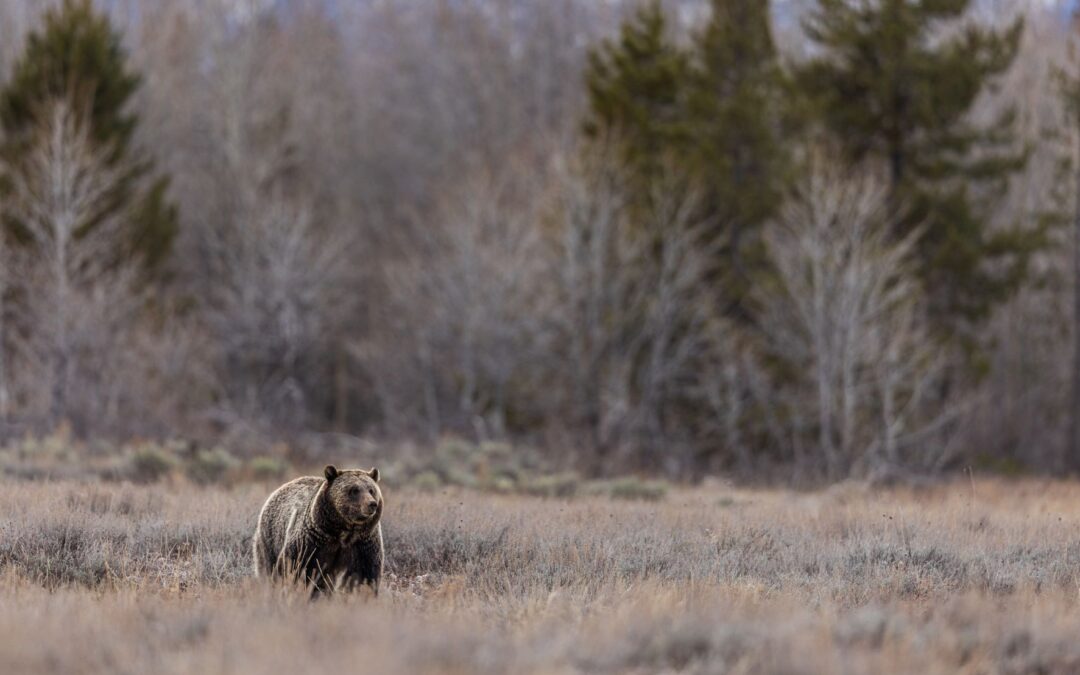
1072 452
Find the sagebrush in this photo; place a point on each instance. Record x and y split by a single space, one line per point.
978 577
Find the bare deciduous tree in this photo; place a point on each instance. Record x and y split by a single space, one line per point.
280 289
7 275
458 335
844 317
78 299
539 298
634 313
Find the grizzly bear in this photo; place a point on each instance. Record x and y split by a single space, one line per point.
324 531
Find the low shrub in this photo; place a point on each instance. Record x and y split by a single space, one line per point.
564 484
637 489
427 481
150 463
267 468
210 466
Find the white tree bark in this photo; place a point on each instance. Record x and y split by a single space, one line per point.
78 295
847 312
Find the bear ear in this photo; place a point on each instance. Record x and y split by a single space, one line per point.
330 472
374 473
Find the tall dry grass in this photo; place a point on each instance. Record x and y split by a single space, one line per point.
966 577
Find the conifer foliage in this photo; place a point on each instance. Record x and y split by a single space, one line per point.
734 107
896 82
712 109
637 93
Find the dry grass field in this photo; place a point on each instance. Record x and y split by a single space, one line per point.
969 577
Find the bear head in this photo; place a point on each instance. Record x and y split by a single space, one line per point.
355 495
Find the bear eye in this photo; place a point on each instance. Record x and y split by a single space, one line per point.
371 492
354 491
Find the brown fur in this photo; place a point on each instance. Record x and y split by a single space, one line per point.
325 531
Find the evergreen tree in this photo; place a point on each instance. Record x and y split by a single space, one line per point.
711 112
637 96
735 95
1068 196
77 56
736 107
896 82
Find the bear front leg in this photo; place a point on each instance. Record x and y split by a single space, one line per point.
363 567
350 582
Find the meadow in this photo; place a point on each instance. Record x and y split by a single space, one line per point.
975 576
